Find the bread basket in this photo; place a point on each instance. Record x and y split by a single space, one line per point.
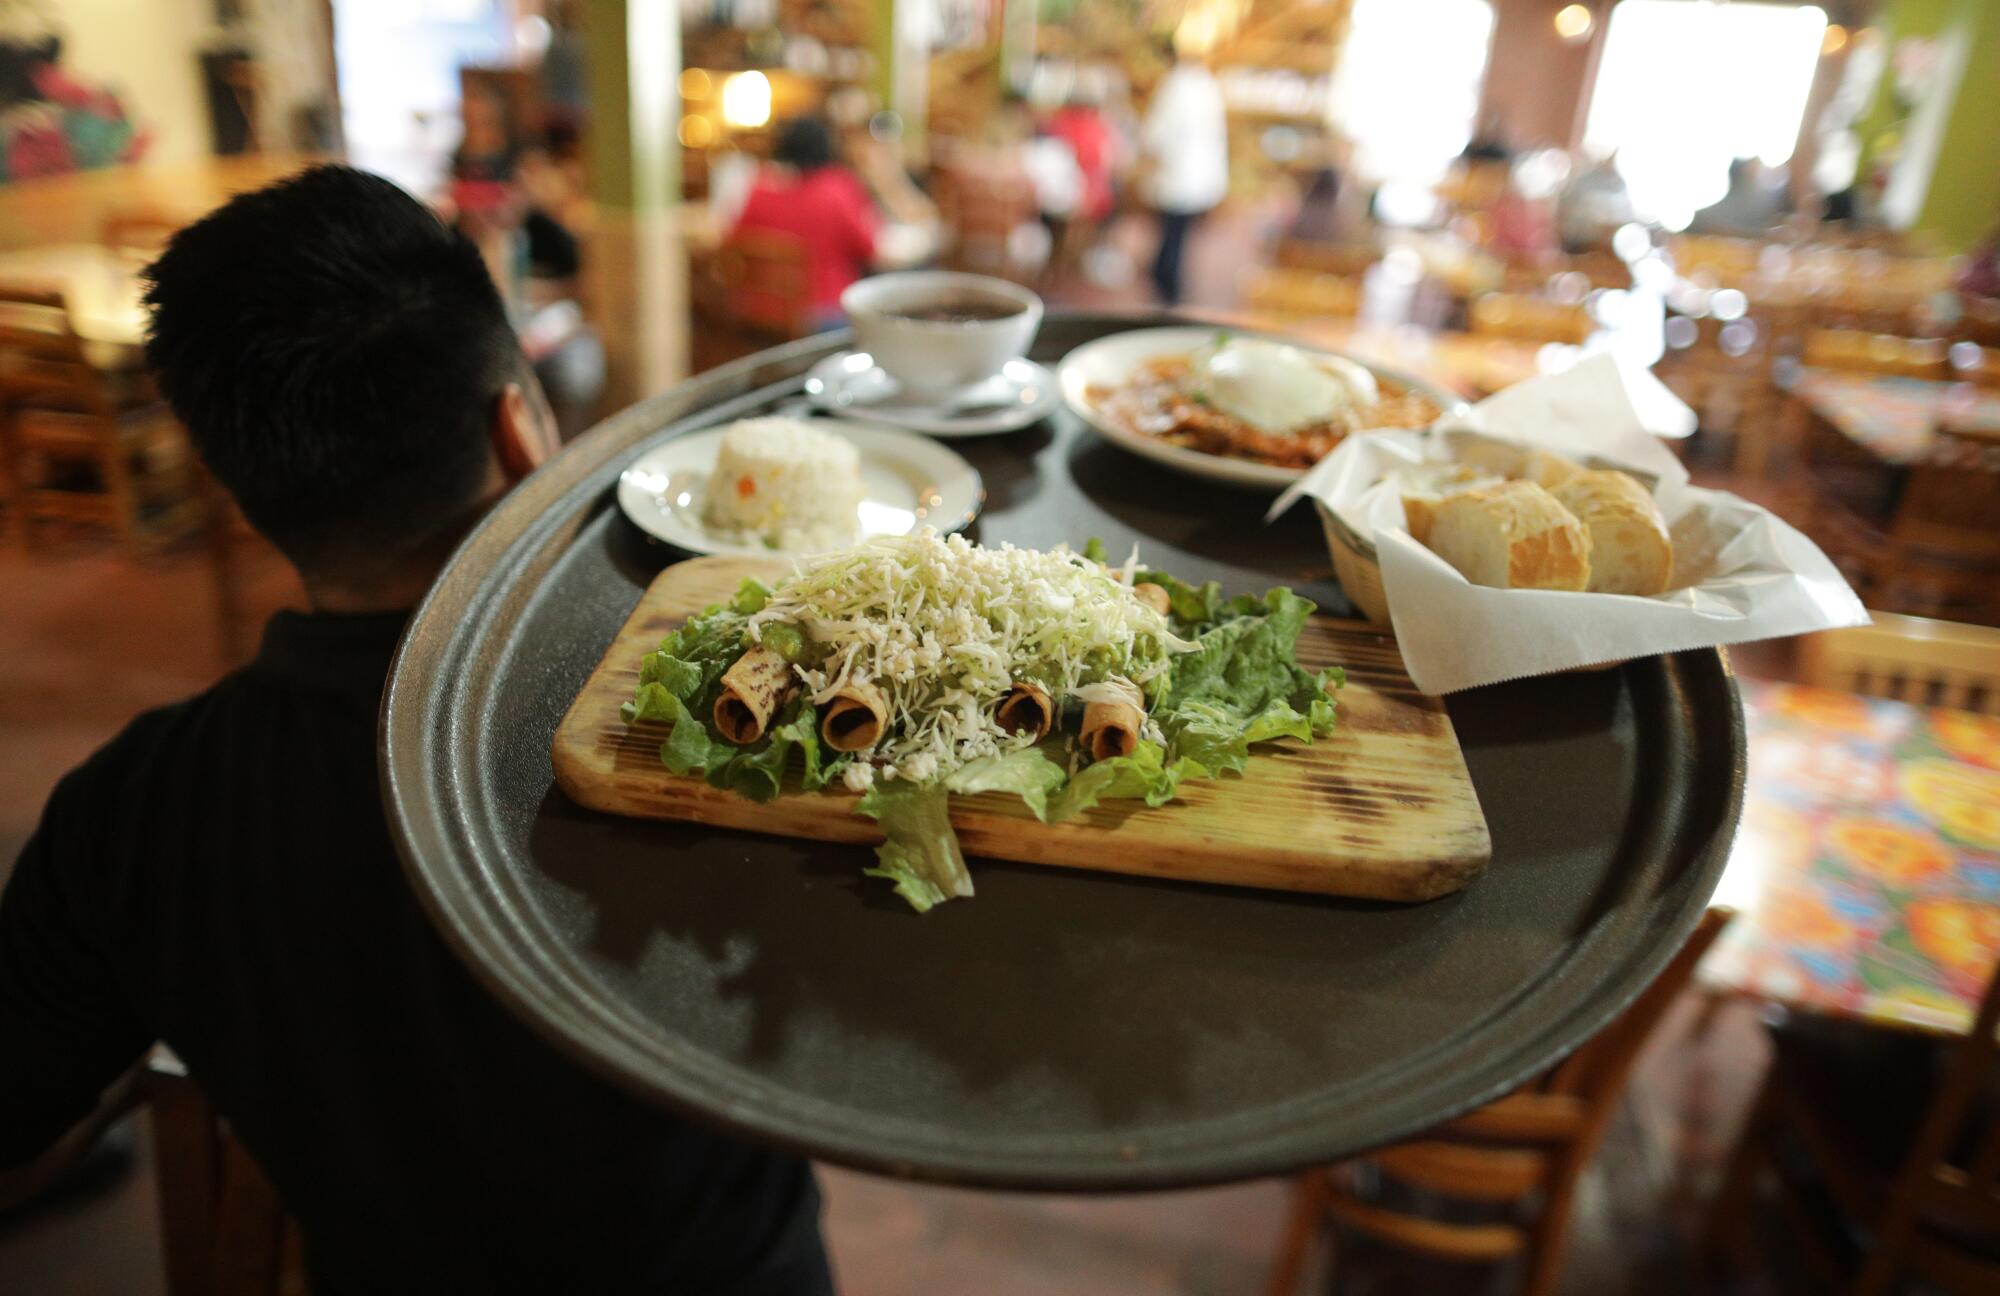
1355 566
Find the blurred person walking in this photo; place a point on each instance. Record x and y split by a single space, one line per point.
1186 140
1755 201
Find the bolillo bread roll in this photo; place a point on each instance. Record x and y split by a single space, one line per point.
1423 489
1548 469
1630 550
1511 536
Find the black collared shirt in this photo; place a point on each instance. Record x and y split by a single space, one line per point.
221 877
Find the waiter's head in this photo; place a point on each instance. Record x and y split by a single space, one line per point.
346 369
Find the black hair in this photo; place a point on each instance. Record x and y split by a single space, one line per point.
804 143
335 352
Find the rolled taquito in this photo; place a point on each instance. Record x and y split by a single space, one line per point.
855 718
1026 709
752 691
1153 596
1113 715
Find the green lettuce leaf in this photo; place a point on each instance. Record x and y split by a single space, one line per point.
1246 660
758 772
920 852
1217 738
691 659
1144 775
689 746
1243 685
1189 604
751 596
1321 713
1028 773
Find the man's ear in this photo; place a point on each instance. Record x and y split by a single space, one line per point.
521 439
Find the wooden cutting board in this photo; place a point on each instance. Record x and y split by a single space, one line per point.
1382 809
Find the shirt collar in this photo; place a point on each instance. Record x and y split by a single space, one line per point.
336 652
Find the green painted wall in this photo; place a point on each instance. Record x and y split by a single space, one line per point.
635 155
1964 197
1895 20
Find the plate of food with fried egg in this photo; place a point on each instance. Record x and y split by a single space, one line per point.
1246 409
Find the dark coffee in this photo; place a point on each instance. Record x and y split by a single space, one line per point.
959 310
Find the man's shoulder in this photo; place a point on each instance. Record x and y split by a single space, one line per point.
163 737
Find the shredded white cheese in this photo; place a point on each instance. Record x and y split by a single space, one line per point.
944 628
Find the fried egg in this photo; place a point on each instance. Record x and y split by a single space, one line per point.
1277 388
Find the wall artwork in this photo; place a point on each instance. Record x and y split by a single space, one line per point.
52 123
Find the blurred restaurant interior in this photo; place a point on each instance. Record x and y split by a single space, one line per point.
1787 213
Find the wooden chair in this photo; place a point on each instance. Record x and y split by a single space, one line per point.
1875 353
1345 259
1934 1213
140 231
1726 257
223 1229
1951 500
1474 185
1911 659
1525 1152
1898 573
79 444
1722 370
982 212
1530 319
1302 295
1603 267
765 283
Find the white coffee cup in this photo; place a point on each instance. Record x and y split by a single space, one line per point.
992 321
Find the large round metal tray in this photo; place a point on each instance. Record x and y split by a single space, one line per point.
1062 1030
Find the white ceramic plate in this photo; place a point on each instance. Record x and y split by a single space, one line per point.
908 482
852 385
1109 360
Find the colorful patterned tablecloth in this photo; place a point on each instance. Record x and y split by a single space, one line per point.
1867 868
1894 418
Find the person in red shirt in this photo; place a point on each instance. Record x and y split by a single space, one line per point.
805 195
1081 123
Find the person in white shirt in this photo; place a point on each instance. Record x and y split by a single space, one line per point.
1186 141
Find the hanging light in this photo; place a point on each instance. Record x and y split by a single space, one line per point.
1573 22
697 131
746 100
1835 39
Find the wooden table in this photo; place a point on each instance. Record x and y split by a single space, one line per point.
60 209
1867 866
101 286
1895 419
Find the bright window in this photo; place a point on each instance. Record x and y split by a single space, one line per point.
1407 88
1688 85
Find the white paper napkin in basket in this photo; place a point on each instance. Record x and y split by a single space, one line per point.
1741 572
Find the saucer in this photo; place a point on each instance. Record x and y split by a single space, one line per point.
852 384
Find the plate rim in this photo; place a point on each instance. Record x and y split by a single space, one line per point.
943 430
1244 473
922 445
